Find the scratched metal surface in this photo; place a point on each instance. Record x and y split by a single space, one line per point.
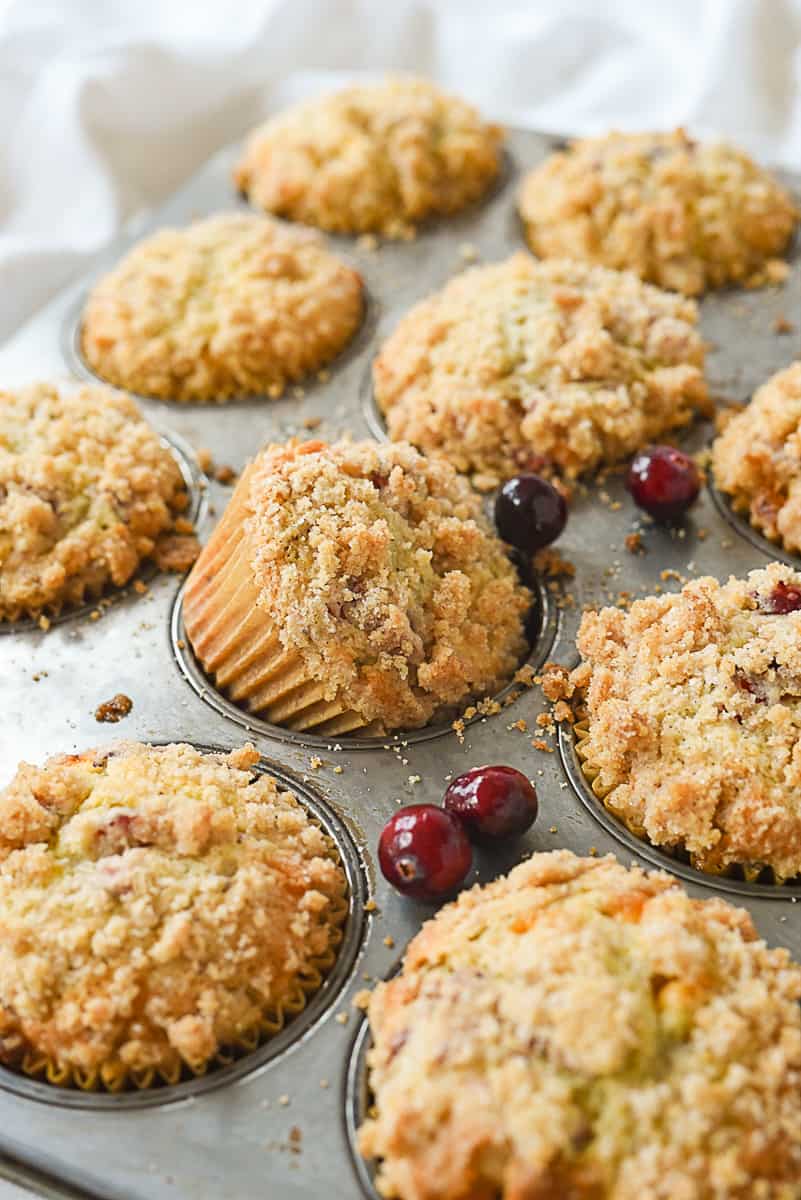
229 1136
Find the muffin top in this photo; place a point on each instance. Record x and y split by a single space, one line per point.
377 565
580 1030
87 490
694 709
757 458
157 904
231 305
522 364
681 214
375 158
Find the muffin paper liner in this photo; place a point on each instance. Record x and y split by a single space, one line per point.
239 646
115 1077
708 864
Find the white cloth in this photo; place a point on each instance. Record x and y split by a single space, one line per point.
105 107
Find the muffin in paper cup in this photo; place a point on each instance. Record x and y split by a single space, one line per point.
354 587
693 721
164 911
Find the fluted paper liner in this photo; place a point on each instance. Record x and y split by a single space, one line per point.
707 863
237 643
115 1077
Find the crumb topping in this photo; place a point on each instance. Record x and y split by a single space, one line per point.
694 710
156 904
87 491
232 305
682 214
757 459
378 565
373 158
579 1029
523 364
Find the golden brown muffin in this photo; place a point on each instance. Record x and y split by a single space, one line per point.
579 1031
232 305
374 158
354 585
520 365
681 214
694 713
87 491
757 459
156 904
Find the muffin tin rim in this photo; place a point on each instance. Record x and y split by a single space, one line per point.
297 1029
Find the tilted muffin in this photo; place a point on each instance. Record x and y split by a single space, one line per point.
757 459
579 1030
374 158
156 905
694 712
354 585
232 305
87 491
682 214
522 364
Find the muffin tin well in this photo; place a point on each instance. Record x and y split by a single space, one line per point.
283 1117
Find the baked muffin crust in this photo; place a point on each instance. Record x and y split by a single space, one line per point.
682 214
373 158
757 459
694 711
157 903
580 1030
87 491
522 364
377 565
232 305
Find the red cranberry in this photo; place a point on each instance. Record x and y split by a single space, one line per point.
529 512
424 852
664 481
493 802
785 598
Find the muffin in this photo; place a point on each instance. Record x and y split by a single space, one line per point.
579 1030
681 214
527 365
757 459
693 734
158 905
354 586
87 491
232 305
377 158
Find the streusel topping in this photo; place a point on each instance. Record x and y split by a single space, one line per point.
757 458
694 708
377 564
521 364
232 305
374 158
681 214
87 491
156 904
580 1030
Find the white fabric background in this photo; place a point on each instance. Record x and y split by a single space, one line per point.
105 106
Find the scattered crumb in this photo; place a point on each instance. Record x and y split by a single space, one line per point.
115 709
204 458
140 587
284 1100
389 942
341 1018
338 769
782 325
225 474
539 744
361 999
312 422
368 242
634 543
371 906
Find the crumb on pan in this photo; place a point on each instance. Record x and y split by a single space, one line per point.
115 709
376 158
682 214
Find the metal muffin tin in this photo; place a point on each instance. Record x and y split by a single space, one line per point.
279 1122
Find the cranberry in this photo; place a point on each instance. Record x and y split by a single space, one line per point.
424 852
493 802
785 598
664 481
529 512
